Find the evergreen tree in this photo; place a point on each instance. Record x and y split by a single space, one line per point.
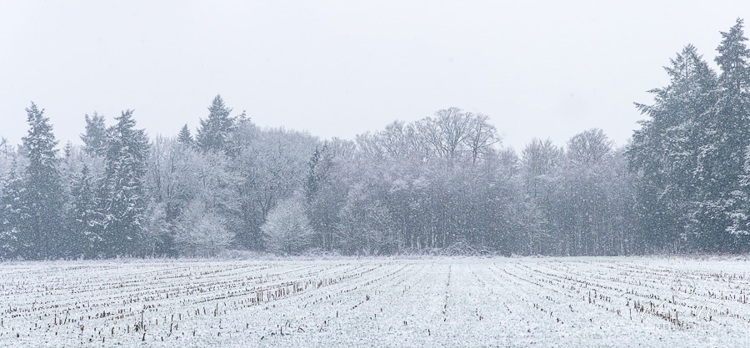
125 201
669 153
733 61
95 138
314 174
68 150
184 137
87 219
12 215
42 233
214 134
322 211
732 115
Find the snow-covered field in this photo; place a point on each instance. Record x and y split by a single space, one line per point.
448 302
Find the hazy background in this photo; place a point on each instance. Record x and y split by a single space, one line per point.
339 68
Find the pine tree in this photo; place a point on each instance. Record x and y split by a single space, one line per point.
669 152
314 175
125 202
732 115
733 60
42 233
87 219
95 138
214 134
12 215
184 137
322 216
68 150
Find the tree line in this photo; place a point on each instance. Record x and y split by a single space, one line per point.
443 184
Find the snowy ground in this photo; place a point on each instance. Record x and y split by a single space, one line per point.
448 302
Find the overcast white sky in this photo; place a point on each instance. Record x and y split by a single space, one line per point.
339 68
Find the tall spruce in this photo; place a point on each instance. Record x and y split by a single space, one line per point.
320 213
668 153
125 202
95 137
12 215
86 217
184 137
214 134
42 234
732 113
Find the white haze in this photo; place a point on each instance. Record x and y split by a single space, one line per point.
340 68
